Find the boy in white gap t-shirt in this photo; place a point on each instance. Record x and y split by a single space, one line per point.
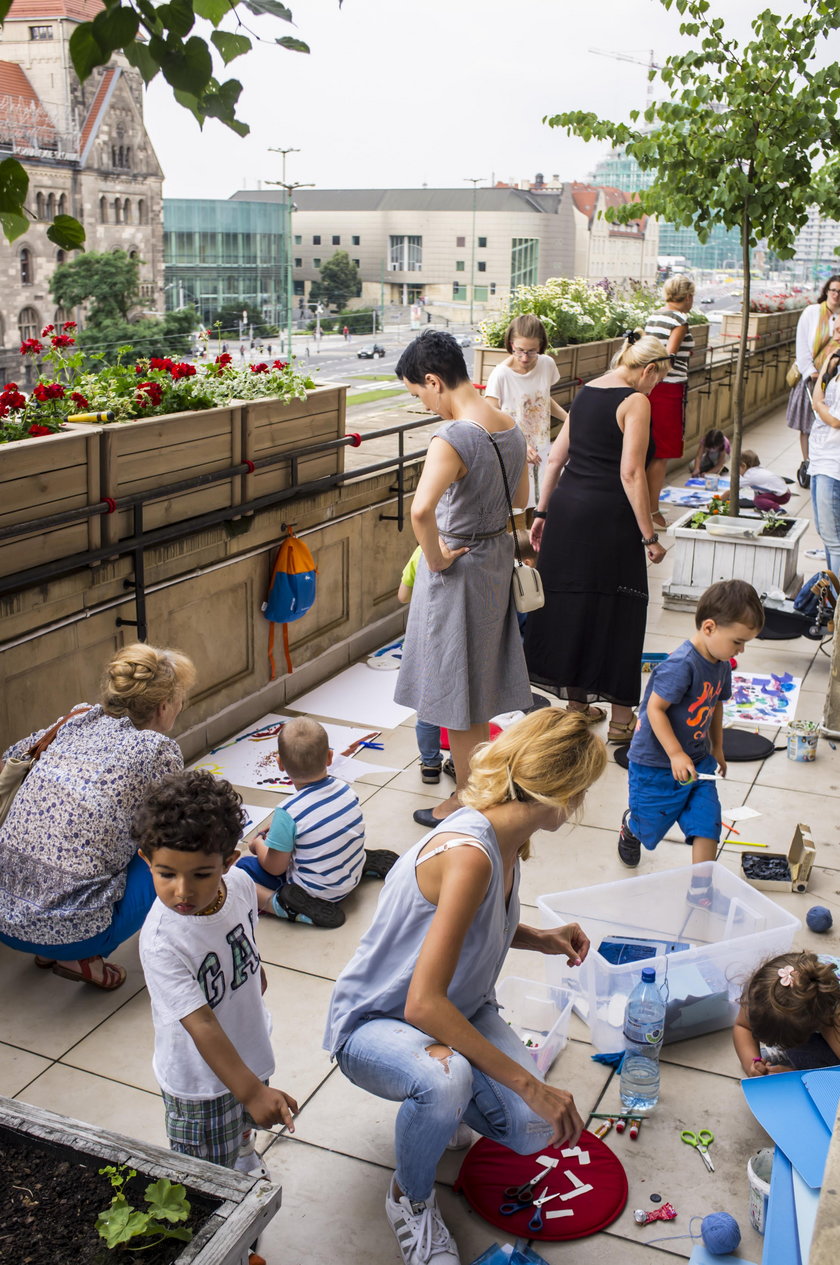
213 1054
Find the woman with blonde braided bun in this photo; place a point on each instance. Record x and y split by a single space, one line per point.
791 1006
413 1015
72 886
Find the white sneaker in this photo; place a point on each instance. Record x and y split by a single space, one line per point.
461 1138
250 1162
421 1231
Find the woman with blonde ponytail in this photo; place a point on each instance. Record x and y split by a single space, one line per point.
72 886
413 1015
594 533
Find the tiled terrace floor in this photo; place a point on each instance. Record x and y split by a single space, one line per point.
88 1054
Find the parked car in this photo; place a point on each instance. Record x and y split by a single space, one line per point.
369 351
708 298
464 340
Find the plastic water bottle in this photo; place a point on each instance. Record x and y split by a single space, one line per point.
644 1028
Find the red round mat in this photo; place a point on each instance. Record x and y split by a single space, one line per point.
488 1169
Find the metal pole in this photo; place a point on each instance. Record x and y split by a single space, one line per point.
288 206
474 181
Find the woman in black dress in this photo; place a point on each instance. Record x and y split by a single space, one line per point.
592 528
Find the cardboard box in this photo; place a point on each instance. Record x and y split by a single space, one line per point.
800 858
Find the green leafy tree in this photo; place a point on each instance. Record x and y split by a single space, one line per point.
149 336
109 280
339 281
738 139
228 319
156 39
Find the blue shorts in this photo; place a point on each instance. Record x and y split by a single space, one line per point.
252 867
658 800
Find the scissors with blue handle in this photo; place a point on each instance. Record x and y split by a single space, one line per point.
536 1222
702 1141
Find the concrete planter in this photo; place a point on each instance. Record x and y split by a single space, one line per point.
45 476
699 559
246 1204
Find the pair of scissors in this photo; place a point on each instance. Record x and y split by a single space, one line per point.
702 1141
536 1222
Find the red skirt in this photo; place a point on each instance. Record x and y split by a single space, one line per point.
667 418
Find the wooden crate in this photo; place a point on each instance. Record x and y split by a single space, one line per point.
700 560
45 476
269 426
142 456
247 1203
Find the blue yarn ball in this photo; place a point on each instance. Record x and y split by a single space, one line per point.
819 918
720 1232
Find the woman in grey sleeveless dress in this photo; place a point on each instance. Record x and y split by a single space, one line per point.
462 659
413 1016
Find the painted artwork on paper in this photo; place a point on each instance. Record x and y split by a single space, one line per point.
762 698
249 758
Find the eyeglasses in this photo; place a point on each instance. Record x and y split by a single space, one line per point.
833 290
672 360
522 354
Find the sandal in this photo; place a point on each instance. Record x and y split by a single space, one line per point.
621 733
591 714
113 976
44 964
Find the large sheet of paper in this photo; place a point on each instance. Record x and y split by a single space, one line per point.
762 698
249 758
360 695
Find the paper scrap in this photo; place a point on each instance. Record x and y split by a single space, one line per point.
573 1178
743 813
551 1213
574 1152
573 1194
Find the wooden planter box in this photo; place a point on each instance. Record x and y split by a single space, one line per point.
246 1205
700 559
486 359
46 476
764 327
269 426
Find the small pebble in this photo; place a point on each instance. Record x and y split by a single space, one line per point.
656 1199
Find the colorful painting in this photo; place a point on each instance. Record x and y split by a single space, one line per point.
762 698
249 758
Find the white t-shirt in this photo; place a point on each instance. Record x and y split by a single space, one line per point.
764 480
824 444
527 397
191 960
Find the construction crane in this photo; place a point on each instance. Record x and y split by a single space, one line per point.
651 64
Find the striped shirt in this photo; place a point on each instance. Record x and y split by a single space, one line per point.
661 325
322 826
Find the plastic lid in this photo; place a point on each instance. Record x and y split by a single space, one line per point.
648 975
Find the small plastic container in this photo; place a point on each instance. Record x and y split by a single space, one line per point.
538 1013
759 1170
727 940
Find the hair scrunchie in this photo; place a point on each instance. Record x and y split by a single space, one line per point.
631 336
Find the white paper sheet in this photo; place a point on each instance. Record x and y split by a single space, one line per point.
742 813
350 769
360 695
257 814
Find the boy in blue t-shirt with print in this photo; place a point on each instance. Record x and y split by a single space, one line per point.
680 729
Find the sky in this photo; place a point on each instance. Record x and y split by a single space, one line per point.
402 93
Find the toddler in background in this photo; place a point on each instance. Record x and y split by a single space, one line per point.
791 1003
712 453
679 733
314 854
771 491
428 735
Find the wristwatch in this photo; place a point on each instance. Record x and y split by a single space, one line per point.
539 514
653 540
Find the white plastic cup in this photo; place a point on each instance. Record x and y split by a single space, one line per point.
759 1169
712 482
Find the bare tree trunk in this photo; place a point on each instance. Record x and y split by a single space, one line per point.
740 374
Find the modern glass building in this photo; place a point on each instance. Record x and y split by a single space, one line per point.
223 253
723 248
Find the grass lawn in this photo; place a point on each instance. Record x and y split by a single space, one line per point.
372 377
366 397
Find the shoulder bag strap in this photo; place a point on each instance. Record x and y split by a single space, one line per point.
44 741
516 548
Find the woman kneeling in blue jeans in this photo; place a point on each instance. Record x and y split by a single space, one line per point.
413 1016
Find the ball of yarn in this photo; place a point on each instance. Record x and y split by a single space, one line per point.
720 1232
819 918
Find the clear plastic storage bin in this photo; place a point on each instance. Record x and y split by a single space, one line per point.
538 1013
726 940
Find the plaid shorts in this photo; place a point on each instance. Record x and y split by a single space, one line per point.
207 1128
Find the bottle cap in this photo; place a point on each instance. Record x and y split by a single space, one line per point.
648 975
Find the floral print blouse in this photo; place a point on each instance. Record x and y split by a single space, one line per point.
66 841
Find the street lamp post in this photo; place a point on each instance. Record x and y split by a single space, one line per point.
474 181
288 189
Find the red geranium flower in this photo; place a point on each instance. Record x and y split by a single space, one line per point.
31 347
224 359
62 340
183 370
48 391
79 400
280 364
148 393
69 325
48 329
261 368
11 398
161 362
39 430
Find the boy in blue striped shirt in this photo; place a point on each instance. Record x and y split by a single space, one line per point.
314 853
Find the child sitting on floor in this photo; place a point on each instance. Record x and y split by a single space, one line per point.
712 453
679 733
314 853
771 491
792 1003
213 1054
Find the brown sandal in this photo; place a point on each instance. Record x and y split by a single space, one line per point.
621 733
113 976
591 714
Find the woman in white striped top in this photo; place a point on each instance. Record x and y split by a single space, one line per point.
667 399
